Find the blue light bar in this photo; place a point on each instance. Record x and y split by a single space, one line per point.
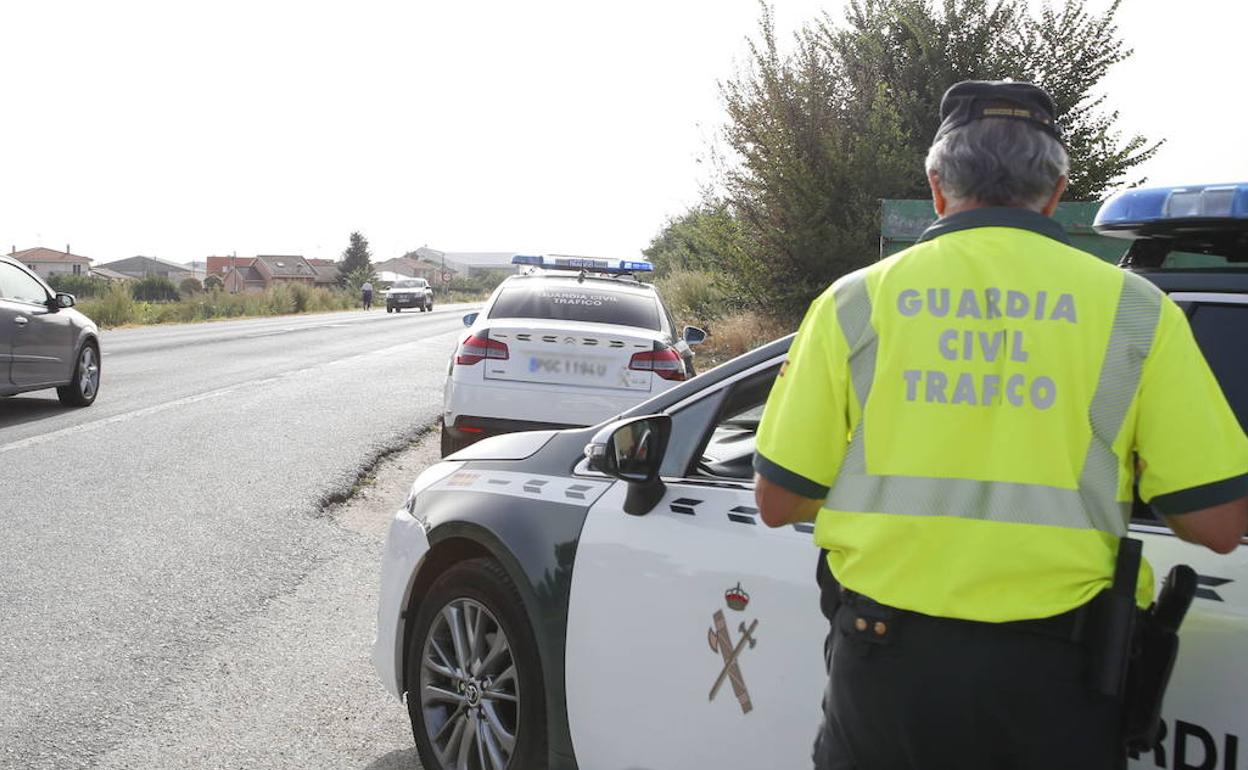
1133 211
591 264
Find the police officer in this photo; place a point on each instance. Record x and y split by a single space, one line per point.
962 421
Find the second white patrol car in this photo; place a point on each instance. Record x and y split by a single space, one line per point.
569 343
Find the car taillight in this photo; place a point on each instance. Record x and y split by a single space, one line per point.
479 347
665 362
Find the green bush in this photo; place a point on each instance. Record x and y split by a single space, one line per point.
214 283
189 287
154 288
115 307
692 296
78 285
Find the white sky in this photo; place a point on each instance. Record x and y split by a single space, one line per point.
179 130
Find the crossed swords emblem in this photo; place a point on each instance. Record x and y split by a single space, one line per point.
721 642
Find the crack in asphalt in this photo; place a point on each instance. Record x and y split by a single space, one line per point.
345 490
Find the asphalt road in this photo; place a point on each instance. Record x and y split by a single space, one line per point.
172 593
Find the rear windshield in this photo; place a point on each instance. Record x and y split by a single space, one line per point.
576 302
1221 330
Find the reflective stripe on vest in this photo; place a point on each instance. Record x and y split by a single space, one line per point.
1094 505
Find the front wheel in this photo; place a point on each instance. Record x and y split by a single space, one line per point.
474 681
83 388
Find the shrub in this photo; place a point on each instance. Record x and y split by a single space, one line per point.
154 288
299 295
78 285
189 287
214 283
736 334
693 296
114 307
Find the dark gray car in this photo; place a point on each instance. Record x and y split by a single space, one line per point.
44 343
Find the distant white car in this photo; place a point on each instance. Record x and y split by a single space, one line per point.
571 343
409 293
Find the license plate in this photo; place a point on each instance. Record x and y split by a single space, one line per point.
567 366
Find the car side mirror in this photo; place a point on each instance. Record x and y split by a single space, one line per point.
632 450
470 319
693 335
62 300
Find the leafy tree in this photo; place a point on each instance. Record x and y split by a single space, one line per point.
699 239
214 283
819 135
358 277
357 257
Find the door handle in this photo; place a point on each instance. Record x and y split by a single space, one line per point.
21 320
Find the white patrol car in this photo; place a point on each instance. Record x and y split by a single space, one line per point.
607 598
570 343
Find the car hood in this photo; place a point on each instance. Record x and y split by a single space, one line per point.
509 446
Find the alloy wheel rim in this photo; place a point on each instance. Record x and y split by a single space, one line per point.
88 373
469 691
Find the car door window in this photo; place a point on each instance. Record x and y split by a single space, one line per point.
16 285
728 446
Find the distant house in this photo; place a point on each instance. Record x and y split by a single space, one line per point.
435 266
266 271
469 262
143 267
221 265
47 262
326 271
112 276
414 267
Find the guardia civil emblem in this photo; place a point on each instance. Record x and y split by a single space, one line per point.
720 639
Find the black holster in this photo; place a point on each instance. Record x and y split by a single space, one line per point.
1156 648
1112 625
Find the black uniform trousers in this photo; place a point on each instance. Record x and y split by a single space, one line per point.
913 692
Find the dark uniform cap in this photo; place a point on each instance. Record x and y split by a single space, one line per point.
973 100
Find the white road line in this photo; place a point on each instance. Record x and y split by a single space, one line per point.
249 385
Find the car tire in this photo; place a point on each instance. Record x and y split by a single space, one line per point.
485 697
398 310
85 386
389 309
449 444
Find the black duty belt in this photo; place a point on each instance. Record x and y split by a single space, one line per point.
1069 626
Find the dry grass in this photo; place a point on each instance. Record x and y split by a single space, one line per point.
739 333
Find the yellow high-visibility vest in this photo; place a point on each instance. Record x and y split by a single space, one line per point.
972 409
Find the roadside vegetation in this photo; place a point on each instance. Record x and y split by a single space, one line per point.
118 305
820 128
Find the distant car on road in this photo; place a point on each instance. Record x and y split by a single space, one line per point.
607 596
568 344
409 293
44 342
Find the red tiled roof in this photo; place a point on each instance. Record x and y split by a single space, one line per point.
221 265
40 254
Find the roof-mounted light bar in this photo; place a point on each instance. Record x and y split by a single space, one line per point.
1137 212
589 264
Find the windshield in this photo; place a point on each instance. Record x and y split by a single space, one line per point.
408 285
576 302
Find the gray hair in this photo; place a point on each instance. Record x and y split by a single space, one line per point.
998 162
